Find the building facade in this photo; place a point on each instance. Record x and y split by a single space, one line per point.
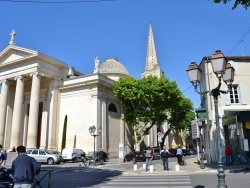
38 92
234 108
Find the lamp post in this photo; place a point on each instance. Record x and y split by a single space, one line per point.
222 70
200 140
92 130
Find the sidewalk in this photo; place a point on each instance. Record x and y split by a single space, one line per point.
191 167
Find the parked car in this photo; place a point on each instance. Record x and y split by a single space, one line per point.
156 153
185 152
192 151
72 154
172 152
99 154
135 156
45 156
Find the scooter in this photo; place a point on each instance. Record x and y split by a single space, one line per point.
6 178
89 160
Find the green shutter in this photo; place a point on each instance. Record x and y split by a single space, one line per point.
243 94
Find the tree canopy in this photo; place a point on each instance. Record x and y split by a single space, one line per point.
244 3
151 101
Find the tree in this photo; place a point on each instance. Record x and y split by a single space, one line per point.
146 102
244 3
64 132
180 116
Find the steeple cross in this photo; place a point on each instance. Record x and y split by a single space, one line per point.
12 34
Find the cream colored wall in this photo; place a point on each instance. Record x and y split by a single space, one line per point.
79 105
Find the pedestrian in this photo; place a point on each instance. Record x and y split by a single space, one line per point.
228 154
3 157
13 149
24 169
179 155
164 156
149 157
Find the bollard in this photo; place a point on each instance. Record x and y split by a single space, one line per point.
177 168
144 166
135 167
79 166
151 168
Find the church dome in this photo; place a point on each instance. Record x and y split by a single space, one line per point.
112 66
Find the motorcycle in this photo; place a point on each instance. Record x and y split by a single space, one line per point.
6 178
89 160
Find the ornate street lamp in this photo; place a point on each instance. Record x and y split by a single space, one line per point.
223 70
200 140
92 130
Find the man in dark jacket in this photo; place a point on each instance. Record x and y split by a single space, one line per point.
24 169
164 156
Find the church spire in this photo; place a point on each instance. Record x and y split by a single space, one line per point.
152 65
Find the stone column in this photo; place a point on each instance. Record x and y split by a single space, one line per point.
105 132
33 113
3 108
52 113
16 121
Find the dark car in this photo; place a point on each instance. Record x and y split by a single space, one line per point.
172 152
135 156
98 154
156 152
193 151
185 152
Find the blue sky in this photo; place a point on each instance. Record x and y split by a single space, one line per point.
76 33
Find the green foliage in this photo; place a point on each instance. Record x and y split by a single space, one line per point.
1 146
148 100
64 132
244 3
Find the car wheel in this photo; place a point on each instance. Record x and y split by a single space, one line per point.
74 160
50 161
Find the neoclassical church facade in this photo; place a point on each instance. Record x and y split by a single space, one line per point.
38 91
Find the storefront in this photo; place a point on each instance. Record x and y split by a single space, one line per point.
237 130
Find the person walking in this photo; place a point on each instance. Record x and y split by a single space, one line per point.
164 156
179 155
3 157
149 157
24 169
228 153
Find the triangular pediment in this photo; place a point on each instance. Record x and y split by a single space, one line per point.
14 53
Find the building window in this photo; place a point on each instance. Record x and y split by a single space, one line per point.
112 108
234 94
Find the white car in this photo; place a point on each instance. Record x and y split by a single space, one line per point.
45 156
72 154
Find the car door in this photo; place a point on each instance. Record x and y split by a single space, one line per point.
82 154
42 156
35 155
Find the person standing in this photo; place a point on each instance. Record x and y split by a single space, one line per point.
164 156
24 169
149 157
228 153
3 157
179 155
13 149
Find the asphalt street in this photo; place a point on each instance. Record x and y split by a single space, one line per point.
115 173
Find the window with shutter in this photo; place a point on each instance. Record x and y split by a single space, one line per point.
234 95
